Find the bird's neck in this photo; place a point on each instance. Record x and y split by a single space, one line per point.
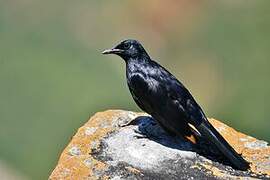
135 65
142 58
137 62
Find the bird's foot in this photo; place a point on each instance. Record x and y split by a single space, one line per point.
140 135
132 122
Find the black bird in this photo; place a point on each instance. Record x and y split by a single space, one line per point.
157 92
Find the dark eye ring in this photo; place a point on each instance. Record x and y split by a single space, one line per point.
127 46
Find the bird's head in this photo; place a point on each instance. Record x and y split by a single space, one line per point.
128 49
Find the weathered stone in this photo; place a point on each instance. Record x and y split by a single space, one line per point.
118 144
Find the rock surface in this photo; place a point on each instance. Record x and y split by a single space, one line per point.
118 144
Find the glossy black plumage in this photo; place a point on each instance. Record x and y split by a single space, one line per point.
157 92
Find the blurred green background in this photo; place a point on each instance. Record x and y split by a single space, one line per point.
53 76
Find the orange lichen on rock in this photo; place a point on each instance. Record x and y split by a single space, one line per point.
253 150
76 161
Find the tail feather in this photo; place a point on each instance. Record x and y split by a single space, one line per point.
211 134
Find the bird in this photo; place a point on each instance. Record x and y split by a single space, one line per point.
157 92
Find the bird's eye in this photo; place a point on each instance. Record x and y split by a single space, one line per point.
126 46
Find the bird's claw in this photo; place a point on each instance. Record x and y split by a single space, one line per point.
132 122
140 136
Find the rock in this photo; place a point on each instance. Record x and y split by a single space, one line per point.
118 144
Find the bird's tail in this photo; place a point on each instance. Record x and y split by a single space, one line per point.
211 134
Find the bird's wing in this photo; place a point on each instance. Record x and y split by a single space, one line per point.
157 96
192 110
178 93
162 87
140 89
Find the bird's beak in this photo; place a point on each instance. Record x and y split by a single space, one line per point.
112 51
